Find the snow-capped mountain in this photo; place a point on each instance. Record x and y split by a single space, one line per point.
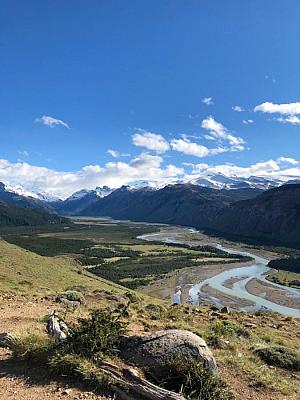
220 181
216 181
16 196
149 184
21 191
99 192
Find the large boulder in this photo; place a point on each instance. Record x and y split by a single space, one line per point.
163 346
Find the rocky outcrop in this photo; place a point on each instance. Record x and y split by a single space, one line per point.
164 346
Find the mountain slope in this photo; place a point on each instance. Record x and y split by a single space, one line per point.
81 200
14 199
17 216
183 204
274 215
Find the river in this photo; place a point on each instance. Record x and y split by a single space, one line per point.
242 276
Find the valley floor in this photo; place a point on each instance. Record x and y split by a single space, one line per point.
29 283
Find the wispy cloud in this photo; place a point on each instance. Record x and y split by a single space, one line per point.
248 121
292 119
208 101
287 160
23 153
150 140
272 79
113 153
51 122
218 132
238 108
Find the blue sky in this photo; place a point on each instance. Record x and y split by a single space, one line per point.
83 77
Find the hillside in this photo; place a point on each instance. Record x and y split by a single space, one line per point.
17 216
183 204
24 272
28 287
273 216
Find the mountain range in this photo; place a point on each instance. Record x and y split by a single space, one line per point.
213 181
243 209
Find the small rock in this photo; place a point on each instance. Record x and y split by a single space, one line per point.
250 325
66 391
225 310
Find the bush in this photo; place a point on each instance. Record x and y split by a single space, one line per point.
193 381
34 348
76 366
98 335
71 295
132 297
227 329
280 356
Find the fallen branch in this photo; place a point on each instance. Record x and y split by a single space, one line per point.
135 385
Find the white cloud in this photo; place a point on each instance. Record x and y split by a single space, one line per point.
238 108
151 141
51 122
247 121
277 169
208 101
143 167
283 109
219 132
292 119
113 153
287 160
187 147
63 184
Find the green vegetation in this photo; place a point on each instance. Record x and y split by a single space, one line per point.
95 339
126 262
34 348
280 356
226 329
98 335
291 264
194 382
17 216
23 272
141 270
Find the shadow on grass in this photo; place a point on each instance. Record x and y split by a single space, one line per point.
40 375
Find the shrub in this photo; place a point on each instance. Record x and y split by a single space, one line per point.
98 335
227 329
71 295
133 297
74 365
280 356
34 348
193 381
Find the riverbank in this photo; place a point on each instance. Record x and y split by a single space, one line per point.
224 285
